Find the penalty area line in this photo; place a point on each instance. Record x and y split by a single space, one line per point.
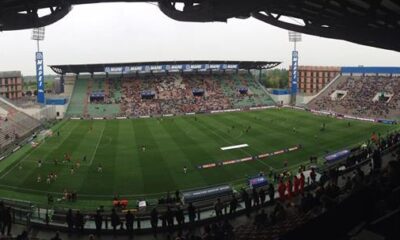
16 163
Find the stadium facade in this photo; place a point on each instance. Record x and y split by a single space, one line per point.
312 79
11 85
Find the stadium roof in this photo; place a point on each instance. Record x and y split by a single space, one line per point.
369 22
100 68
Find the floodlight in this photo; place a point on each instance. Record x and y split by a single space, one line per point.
38 34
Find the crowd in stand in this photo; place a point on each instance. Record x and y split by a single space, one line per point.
175 93
360 97
329 193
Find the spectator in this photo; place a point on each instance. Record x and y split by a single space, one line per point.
180 217
233 204
247 205
7 221
218 207
271 192
191 212
23 236
70 221
296 185
98 220
56 237
228 230
154 221
79 222
177 196
2 212
278 214
301 182
377 160
261 219
313 176
256 197
115 221
289 188
129 219
169 215
262 196
281 190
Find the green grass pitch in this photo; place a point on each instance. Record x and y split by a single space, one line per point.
171 143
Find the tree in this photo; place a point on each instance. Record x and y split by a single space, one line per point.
275 78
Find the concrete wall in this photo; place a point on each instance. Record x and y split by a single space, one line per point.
284 99
69 84
61 109
302 100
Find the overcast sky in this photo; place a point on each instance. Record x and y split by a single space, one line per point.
130 32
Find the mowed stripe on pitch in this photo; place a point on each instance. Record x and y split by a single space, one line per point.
130 178
95 182
167 134
185 139
156 173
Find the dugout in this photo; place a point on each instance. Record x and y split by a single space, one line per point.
97 96
148 94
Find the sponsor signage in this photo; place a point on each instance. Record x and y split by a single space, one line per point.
246 159
295 71
207 193
259 181
337 156
169 67
40 78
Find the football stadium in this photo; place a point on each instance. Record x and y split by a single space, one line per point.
204 149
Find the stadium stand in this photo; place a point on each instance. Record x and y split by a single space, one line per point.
165 94
14 124
368 96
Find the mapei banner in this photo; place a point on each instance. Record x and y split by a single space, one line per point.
40 78
169 67
295 71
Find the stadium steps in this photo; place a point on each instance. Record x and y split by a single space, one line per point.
86 100
231 91
267 94
117 91
101 110
78 98
256 87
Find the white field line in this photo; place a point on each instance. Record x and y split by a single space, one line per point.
97 146
17 163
